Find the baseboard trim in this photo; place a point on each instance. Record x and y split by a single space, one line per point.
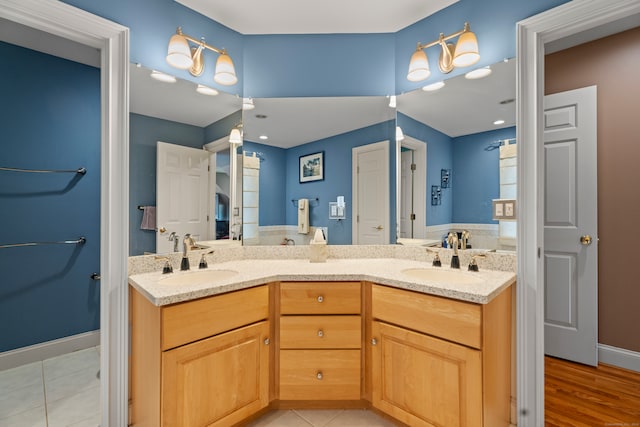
619 357
38 352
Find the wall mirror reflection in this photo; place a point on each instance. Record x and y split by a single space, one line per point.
182 171
355 136
460 136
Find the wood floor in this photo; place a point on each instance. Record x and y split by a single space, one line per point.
578 395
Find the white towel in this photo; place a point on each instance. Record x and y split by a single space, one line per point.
303 216
148 218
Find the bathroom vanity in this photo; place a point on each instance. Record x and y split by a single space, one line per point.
346 333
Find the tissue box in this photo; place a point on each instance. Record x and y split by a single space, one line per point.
318 252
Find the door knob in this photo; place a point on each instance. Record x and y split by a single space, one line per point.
585 240
378 227
162 230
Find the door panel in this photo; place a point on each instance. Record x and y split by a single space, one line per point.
371 194
181 194
570 200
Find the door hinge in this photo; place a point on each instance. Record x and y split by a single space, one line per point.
208 168
207 218
357 169
357 218
413 166
539 251
413 217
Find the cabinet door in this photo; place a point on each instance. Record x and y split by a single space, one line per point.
425 381
218 381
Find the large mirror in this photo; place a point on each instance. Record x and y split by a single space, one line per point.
318 163
182 168
449 131
460 139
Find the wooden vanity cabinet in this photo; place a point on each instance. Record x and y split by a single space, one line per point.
438 361
320 337
200 363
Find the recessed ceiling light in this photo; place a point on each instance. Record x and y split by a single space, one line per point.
433 86
206 90
263 137
478 73
499 122
163 77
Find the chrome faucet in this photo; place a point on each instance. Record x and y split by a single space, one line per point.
173 237
187 243
452 242
465 239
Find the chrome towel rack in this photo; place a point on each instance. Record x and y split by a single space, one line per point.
78 241
80 171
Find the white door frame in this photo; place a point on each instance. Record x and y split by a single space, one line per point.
420 184
561 23
354 186
112 40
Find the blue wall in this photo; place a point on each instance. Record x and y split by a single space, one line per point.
317 65
493 22
476 176
272 181
153 22
337 178
50 119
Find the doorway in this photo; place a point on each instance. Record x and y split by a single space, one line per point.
112 41
568 24
412 191
370 194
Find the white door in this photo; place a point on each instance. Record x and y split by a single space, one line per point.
182 198
370 194
570 219
407 215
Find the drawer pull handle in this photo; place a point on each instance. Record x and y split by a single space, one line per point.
267 341
319 375
320 333
374 341
320 298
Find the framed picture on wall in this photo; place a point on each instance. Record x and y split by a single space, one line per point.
312 167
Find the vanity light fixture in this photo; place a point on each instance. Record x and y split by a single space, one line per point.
235 137
206 90
392 101
463 54
433 86
184 57
478 73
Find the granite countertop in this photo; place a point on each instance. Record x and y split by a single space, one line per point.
385 271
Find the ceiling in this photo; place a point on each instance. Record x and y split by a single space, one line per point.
464 106
322 17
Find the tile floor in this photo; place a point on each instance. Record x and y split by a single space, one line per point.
63 391
322 418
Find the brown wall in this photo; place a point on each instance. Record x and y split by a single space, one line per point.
613 64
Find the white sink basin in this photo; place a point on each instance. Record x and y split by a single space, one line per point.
444 276
197 277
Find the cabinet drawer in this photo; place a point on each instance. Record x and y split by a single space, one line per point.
320 374
320 298
194 320
452 320
320 332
